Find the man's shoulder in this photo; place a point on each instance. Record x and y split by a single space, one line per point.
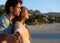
3 16
4 19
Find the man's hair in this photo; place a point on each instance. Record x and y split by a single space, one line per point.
12 3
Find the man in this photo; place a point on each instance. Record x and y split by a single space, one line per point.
12 8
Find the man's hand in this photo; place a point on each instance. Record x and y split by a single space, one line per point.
14 38
19 37
10 38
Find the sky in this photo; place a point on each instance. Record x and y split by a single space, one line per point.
43 6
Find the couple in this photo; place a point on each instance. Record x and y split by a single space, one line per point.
18 14
20 27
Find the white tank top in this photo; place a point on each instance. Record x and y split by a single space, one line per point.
19 27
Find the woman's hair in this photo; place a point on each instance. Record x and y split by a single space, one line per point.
20 17
22 13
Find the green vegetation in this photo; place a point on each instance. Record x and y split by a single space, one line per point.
1 11
37 17
43 18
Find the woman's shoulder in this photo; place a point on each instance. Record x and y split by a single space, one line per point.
18 23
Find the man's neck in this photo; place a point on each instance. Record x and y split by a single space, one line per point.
11 16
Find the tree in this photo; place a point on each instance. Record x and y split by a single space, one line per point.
1 11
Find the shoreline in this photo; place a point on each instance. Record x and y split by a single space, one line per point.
45 33
45 28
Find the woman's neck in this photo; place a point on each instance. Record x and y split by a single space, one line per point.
23 21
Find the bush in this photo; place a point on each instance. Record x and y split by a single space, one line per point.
1 11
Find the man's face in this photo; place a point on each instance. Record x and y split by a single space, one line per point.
17 10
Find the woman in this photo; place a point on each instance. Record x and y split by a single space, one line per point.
19 25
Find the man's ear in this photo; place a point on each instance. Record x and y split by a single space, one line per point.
11 9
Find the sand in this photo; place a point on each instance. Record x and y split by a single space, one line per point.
45 41
44 29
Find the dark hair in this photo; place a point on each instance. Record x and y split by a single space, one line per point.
10 3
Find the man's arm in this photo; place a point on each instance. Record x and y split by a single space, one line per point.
10 38
3 26
3 37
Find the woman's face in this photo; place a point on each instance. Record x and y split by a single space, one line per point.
26 14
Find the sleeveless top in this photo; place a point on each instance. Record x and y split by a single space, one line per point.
21 28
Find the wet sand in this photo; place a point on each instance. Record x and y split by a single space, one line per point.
45 41
45 28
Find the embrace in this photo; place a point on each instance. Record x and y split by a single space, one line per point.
12 23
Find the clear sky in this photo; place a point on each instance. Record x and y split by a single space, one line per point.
43 6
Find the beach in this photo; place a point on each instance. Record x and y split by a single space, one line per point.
45 41
45 33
